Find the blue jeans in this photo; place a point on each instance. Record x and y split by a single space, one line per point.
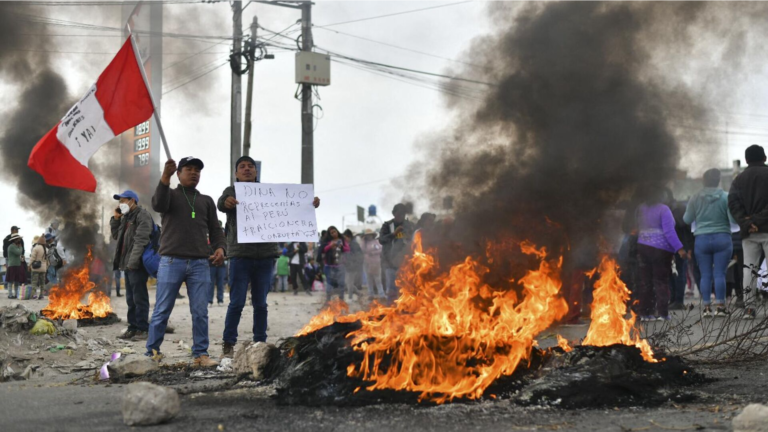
118 275
259 273
52 277
173 271
334 281
217 280
713 252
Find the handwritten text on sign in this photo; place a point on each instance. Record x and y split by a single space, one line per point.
275 213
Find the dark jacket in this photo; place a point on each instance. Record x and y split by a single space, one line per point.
132 232
245 250
7 242
748 199
184 236
301 250
395 247
353 261
682 229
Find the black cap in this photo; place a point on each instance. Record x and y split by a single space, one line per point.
15 228
189 160
244 158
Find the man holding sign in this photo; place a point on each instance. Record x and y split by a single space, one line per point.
259 216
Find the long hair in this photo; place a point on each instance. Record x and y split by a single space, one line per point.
341 236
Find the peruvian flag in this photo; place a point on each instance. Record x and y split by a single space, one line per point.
118 101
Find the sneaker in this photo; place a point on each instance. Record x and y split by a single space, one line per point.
646 318
227 350
707 312
749 314
221 303
664 318
722 312
139 336
119 295
677 306
129 334
205 361
155 355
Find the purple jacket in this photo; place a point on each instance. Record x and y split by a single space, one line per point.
656 228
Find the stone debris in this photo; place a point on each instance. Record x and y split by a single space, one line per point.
132 365
17 318
146 404
252 358
225 365
754 418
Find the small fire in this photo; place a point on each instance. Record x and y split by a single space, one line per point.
336 311
65 299
609 309
563 343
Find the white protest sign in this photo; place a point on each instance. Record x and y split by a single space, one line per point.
269 213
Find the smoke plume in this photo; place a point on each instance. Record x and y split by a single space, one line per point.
41 98
577 116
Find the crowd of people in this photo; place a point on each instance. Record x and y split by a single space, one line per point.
31 277
719 238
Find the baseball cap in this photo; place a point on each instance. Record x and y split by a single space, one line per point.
15 228
128 194
48 237
189 160
244 158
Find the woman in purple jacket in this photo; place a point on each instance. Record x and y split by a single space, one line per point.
656 245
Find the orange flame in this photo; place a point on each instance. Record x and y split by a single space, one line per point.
563 343
336 311
65 299
609 309
450 335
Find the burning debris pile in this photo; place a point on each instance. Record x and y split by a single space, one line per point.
452 337
65 299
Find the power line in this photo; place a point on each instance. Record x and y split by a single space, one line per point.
87 52
394 14
103 3
404 48
196 78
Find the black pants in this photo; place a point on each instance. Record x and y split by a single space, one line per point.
297 277
655 267
137 297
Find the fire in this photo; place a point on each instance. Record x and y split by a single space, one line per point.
336 311
450 335
563 343
609 309
65 299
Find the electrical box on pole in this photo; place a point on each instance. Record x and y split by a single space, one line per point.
313 68
360 214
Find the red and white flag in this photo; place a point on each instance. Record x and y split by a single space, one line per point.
118 101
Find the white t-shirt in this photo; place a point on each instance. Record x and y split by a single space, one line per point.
296 259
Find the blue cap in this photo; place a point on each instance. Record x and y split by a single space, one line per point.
48 237
128 194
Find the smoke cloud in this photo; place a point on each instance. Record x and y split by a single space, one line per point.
579 115
41 99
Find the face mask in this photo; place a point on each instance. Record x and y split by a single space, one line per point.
124 208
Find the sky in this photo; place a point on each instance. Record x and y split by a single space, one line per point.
370 124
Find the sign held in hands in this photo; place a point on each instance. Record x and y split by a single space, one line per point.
269 213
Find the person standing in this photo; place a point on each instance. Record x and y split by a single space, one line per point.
372 263
16 275
748 203
657 242
218 274
6 243
297 252
395 237
283 271
353 265
683 230
39 264
189 219
333 250
131 227
249 263
714 247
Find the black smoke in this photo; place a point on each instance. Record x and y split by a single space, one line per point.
40 99
575 119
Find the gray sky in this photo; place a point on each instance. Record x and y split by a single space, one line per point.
370 124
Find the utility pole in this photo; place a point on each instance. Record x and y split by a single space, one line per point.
249 94
237 92
307 132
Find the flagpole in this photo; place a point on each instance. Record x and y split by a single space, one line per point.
149 89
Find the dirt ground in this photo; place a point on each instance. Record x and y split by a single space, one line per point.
61 396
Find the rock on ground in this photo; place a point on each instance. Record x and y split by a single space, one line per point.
147 404
132 365
754 418
252 358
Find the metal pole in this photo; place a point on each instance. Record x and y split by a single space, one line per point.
307 126
237 116
249 94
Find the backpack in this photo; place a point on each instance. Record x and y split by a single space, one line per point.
151 255
54 259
